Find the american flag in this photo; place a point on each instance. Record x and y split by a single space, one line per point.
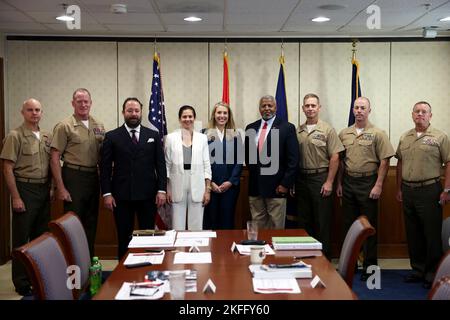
157 118
157 112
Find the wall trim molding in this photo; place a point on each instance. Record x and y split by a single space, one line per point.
218 40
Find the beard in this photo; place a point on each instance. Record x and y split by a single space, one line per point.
133 122
267 117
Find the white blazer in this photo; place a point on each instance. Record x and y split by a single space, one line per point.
200 166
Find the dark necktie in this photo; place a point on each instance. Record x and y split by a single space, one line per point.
134 137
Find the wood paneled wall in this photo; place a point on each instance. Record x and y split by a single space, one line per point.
391 230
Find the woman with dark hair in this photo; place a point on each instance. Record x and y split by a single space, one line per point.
226 156
188 172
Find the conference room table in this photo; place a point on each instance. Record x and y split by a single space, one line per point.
230 274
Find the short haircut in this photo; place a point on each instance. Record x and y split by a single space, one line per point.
131 99
422 102
81 90
186 107
311 95
267 97
364 98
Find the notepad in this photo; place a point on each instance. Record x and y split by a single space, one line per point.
275 286
145 294
264 272
147 257
296 243
151 242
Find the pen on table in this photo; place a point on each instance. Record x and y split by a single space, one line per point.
146 254
147 285
303 257
137 265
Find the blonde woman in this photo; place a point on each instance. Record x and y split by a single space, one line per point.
226 156
188 172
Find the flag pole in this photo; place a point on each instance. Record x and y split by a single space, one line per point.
354 49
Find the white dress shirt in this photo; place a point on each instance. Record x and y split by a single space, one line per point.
269 126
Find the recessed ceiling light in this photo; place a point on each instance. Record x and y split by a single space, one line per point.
65 18
321 19
192 19
445 19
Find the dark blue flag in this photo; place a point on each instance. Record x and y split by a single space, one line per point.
356 90
157 111
280 96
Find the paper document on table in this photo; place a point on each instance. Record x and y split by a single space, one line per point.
245 249
192 257
275 286
266 272
197 234
188 242
150 242
144 257
141 291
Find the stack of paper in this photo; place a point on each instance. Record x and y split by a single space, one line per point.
296 243
276 286
166 240
268 272
196 234
189 242
141 291
144 258
192 257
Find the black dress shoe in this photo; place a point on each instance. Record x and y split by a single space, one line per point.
413 278
24 291
427 284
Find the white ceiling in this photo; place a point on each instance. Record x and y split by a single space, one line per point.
227 18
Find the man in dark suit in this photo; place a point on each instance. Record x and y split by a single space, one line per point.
272 155
137 183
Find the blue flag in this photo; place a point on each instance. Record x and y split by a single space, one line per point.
356 90
157 111
280 96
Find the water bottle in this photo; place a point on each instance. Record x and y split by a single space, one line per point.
95 276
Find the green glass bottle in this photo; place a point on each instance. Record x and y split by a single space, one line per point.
95 276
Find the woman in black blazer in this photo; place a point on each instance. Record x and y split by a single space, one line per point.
226 156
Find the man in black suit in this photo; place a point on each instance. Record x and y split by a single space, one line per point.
137 183
272 155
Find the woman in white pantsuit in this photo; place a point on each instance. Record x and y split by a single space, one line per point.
188 172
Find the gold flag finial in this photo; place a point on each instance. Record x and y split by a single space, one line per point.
354 41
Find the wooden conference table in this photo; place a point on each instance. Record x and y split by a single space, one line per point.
229 272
